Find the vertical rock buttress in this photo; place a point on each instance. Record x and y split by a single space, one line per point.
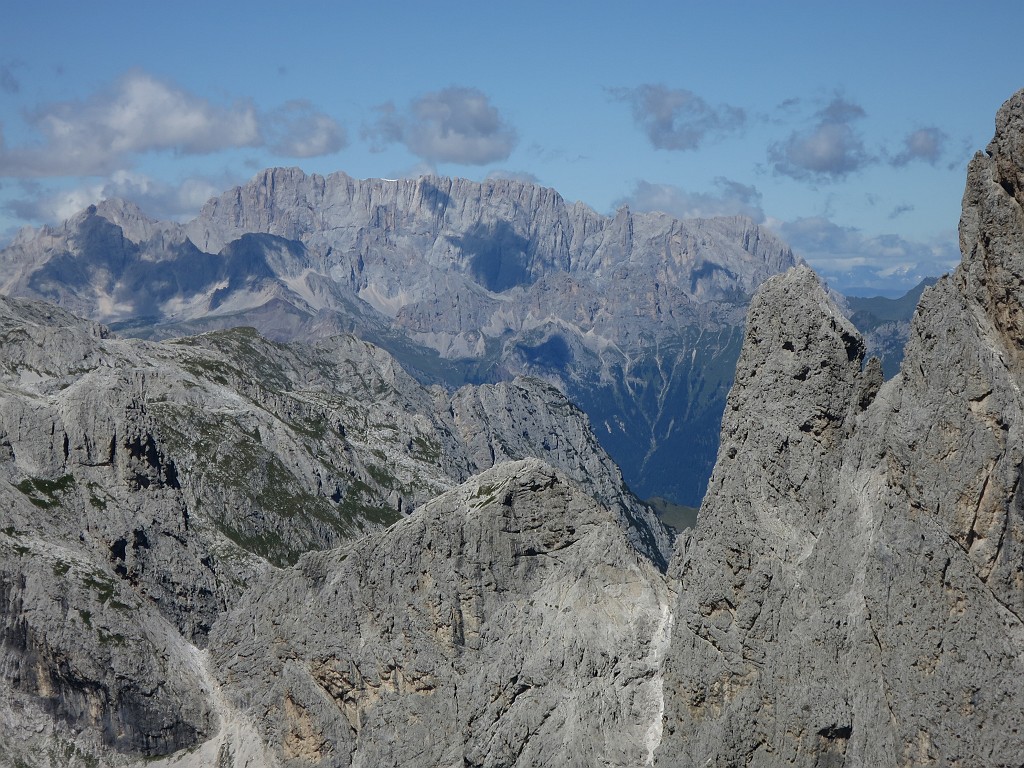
854 589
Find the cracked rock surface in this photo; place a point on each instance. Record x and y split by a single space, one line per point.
507 622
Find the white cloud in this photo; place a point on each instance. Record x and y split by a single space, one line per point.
675 118
454 125
298 129
830 150
139 114
142 114
925 144
148 114
730 199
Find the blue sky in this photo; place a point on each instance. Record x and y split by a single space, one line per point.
844 127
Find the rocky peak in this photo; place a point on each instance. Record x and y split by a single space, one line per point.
860 548
505 623
136 225
799 384
992 227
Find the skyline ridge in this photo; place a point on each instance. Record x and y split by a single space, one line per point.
851 148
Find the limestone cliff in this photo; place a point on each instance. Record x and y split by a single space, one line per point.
507 622
854 590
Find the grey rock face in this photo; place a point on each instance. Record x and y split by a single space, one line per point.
852 594
744 671
507 622
83 654
144 486
635 317
503 422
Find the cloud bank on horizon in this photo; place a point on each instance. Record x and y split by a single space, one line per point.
837 166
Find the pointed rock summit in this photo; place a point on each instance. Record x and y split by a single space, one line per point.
854 591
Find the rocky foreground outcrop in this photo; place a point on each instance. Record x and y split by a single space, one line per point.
854 591
507 622
852 594
144 487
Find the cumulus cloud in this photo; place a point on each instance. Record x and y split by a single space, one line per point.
298 129
140 113
454 125
730 198
675 118
925 144
830 150
158 199
847 258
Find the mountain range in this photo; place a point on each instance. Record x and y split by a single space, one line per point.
226 550
637 318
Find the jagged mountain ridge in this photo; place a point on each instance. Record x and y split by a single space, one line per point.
145 486
637 317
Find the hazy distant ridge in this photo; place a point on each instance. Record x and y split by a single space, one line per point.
635 316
